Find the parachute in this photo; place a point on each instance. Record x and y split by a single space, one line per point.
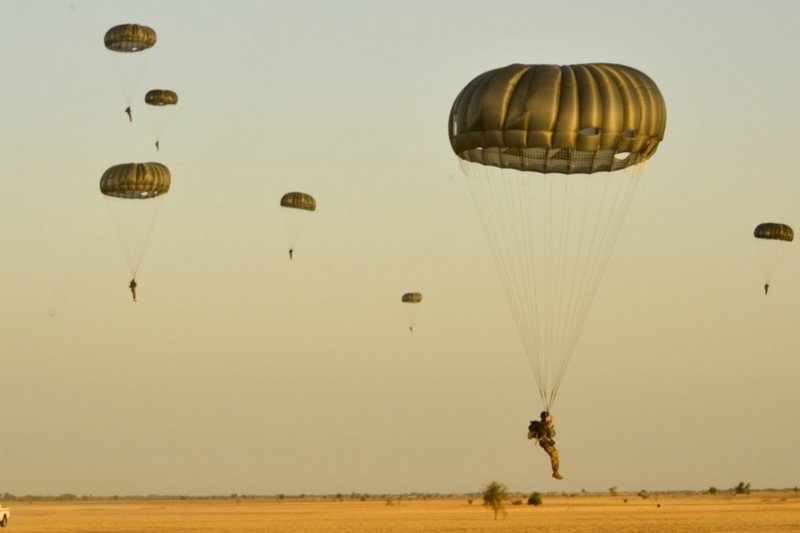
552 156
130 43
297 209
412 298
134 193
411 301
772 240
162 102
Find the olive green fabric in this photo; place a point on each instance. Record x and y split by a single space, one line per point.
161 97
774 231
136 181
412 297
129 38
299 200
564 119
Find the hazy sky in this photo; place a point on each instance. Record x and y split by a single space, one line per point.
239 371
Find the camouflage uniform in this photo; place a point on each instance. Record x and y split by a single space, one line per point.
544 434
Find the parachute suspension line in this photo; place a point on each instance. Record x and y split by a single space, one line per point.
295 222
501 197
566 289
133 221
529 310
611 222
129 68
771 254
551 236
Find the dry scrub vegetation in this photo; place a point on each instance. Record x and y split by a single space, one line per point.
757 512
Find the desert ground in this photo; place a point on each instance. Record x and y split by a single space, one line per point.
761 512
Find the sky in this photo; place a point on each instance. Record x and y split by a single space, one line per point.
239 371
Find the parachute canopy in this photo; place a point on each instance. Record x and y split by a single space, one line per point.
299 200
122 186
129 38
552 156
565 119
136 181
160 97
774 231
412 297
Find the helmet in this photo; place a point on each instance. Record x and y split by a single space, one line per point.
545 414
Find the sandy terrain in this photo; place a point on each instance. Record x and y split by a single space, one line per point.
761 512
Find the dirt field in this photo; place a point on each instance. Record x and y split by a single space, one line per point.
758 512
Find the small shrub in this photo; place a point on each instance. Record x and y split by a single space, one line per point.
516 502
535 499
612 490
712 490
643 494
742 488
469 501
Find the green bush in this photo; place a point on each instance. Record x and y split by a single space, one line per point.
535 499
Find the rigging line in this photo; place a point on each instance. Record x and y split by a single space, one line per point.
571 268
516 189
568 264
532 189
495 198
629 186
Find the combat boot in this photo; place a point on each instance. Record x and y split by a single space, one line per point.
557 475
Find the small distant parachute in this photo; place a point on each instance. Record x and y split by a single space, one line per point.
134 193
128 38
772 239
297 208
410 302
130 43
162 102
160 97
412 298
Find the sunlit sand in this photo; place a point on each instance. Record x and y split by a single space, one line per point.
769 511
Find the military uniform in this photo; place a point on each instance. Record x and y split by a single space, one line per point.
544 434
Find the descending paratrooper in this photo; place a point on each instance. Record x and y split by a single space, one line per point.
552 156
297 208
772 239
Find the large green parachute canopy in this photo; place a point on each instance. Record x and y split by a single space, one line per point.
130 38
774 231
161 97
412 297
299 200
136 181
552 156
566 119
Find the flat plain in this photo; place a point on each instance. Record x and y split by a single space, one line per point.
759 511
